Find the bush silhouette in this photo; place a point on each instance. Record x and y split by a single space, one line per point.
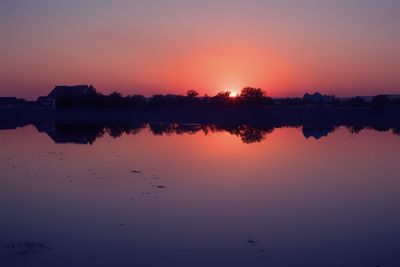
381 101
358 101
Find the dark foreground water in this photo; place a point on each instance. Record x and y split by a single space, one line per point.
200 198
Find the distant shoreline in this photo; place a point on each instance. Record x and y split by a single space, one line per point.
280 115
86 97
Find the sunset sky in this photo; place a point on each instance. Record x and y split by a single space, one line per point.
286 47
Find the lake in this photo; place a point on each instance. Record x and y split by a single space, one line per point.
194 195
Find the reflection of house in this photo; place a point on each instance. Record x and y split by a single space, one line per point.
10 103
71 133
318 98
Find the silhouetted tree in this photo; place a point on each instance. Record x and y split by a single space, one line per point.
252 93
157 101
136 101
396 102
381 101
222 99
358 101
192 93
254 97
191 99
223 95
291 102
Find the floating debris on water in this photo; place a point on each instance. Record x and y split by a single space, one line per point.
254 244
137 172
26 248
251 241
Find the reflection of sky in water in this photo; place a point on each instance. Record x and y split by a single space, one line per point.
306 202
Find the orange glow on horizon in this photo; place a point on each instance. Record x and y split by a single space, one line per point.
233 94
142 48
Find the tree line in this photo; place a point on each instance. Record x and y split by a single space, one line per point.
248 97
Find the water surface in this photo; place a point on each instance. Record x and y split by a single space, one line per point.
200 198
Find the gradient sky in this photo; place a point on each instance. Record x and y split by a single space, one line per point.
287 47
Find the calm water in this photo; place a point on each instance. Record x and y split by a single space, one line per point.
200 199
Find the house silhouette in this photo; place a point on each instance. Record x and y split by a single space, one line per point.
65 94
75 91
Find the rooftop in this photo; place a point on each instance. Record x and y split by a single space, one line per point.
73 91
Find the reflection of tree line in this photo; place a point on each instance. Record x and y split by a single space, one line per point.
248 134
88 133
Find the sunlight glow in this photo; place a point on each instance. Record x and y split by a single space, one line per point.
233 94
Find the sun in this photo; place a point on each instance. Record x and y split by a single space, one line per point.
233 87
233 94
